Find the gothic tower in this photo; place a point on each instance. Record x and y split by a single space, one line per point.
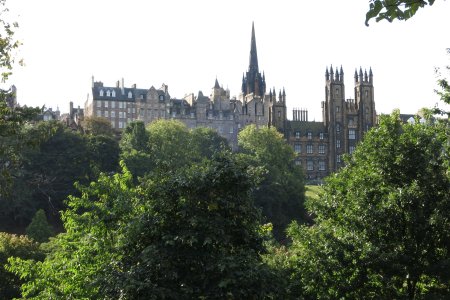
364 98
333 110
252 81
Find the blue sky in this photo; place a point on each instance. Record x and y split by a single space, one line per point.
186 44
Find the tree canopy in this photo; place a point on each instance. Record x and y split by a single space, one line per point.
382 225
394 9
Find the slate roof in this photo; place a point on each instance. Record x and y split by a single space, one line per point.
304 127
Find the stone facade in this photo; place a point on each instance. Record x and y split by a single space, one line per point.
319 146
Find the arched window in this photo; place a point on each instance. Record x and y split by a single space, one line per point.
130 95
108 93
101 93
113 94
161 97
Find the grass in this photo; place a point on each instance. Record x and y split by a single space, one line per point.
313 191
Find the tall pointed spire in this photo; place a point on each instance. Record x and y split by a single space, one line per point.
253 65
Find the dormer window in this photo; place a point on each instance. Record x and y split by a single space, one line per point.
101 93
161 97
130 95
108 93
113 94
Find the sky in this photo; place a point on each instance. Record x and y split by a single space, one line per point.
188 44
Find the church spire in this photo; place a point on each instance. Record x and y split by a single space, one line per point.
253 65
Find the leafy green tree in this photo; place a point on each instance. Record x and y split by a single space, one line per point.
39 230
193 233
51 169
98 126
80 258
12 245
382 224
206 142
168 145
134 149
394 9
281 192
103 154
197 237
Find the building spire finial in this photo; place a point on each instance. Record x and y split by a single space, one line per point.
253 65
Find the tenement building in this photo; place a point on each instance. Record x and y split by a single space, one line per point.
318 145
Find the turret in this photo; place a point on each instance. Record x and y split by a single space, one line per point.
341 75
370 75
327 75
356 76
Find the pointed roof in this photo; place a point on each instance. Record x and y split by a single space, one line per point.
216 84
253 64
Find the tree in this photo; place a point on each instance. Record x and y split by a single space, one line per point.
12 245
382 224
39 230
168 145
190 234
281 192
98 126
197 237
134 149
394 9
206 142
103 154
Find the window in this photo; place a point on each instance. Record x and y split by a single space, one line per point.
101 93
108 93
99 113
338 158
113 114
279 114
113 93
133 110
337 92
321 149
297 148
351 149
106 113
231 130
161 97
366 93
129 110
113 124
120 104
338 143
106 103
298 162
113 104
120 124
310 165
351 134
309 149
321 165
130 95
309 135
297 135
99 103
338 128
337 109
321 135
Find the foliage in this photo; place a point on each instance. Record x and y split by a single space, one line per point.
197 237
98 126
190 234
281 191
51 169
169 145
134 149
206 142
39 230
78 259
8 43
103 154
394 9
17 246
444 89
382 224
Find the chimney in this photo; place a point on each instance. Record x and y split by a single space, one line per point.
122 87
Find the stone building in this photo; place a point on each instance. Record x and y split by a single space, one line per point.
319 146
219 111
